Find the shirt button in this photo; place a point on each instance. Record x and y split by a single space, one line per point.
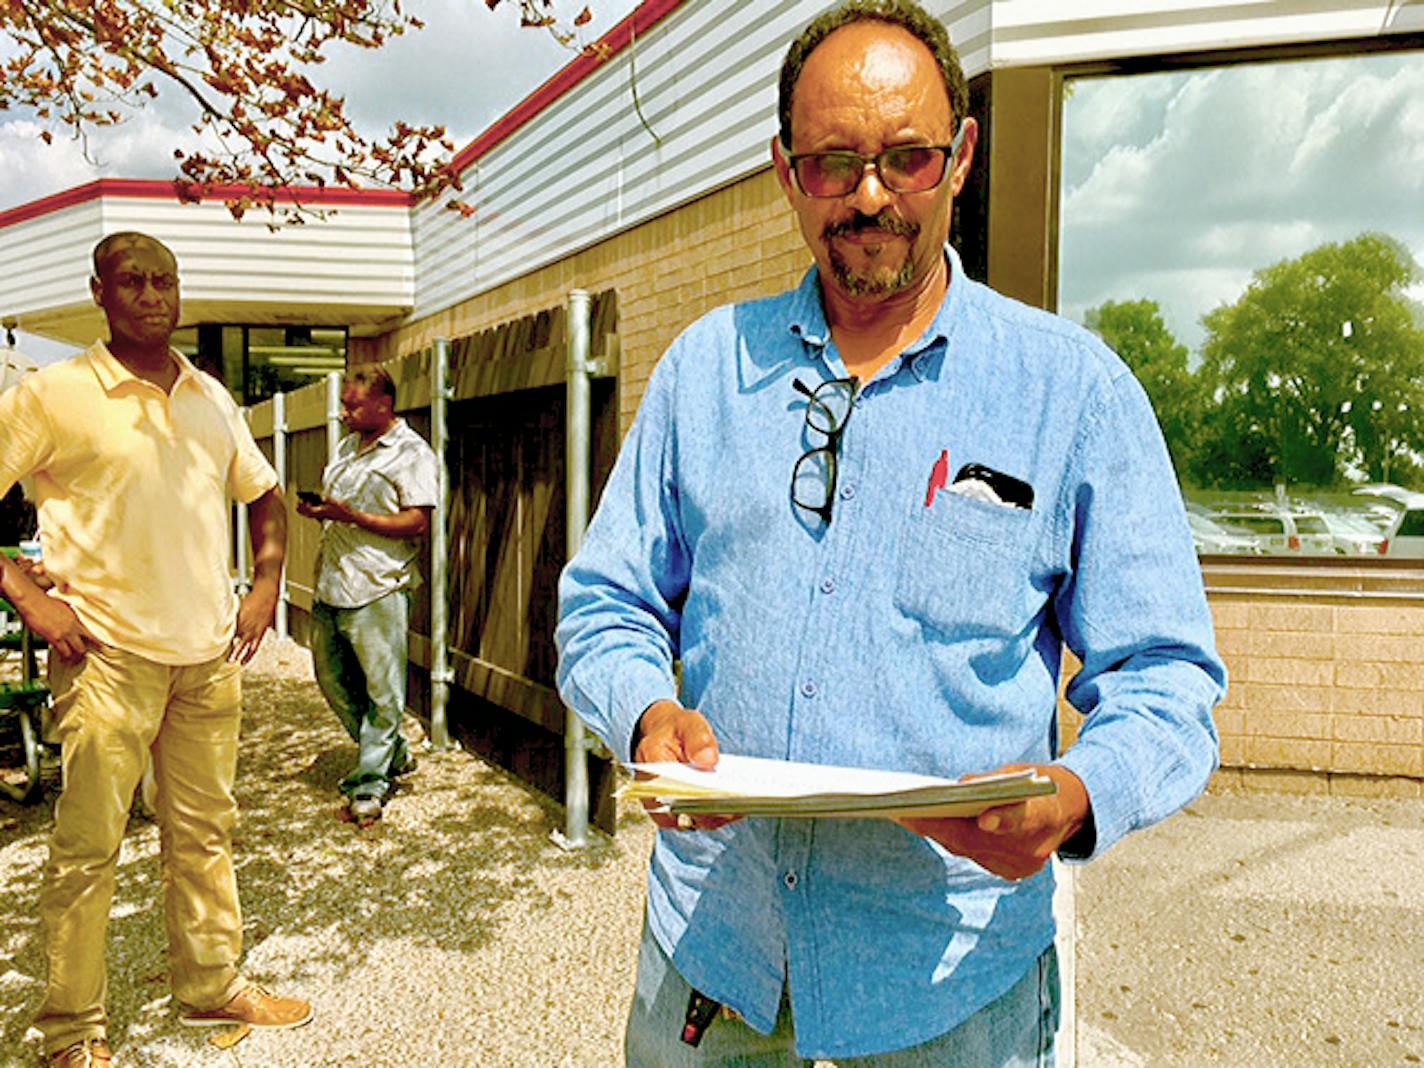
847 491
828 585
790 880
808 688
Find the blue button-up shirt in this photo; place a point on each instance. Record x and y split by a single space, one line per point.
919 631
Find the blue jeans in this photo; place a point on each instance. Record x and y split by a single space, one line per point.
360 657
1016 1031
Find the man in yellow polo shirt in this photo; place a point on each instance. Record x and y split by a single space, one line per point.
135 454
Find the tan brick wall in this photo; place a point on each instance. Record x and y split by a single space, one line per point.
738 243
1332 687
1327 694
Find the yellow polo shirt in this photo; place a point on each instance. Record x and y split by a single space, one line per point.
132 487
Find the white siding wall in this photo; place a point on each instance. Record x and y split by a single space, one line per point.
359 257
54 249
586 168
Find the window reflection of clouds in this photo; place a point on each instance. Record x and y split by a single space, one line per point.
1178 185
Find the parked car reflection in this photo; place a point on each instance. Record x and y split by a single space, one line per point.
1209 537
1278 531
1355 535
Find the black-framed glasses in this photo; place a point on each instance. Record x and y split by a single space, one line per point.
902 169
828 408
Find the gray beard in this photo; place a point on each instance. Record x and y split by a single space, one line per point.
878 285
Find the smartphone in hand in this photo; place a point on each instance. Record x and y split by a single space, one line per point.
309 496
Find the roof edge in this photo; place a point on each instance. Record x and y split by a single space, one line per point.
165 189
641 19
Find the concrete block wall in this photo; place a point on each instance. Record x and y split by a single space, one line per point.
1327 695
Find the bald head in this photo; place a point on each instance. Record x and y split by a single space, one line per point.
111 247
136 284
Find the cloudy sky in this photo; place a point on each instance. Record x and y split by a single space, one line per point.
465 69
1177 186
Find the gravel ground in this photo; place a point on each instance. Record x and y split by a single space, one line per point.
454 931
1282 931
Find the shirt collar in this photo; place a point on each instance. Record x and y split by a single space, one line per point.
112 374
392 434
806 319
387 439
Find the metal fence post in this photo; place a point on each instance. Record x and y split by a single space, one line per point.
440 674
577 429
239 538
333 413
1065 915
279 462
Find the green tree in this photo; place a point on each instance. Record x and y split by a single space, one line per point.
1135 330
1316 368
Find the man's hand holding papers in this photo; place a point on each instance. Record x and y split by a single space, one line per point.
756 786
1015 841
1009 821
667 732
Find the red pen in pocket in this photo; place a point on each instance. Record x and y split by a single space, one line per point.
939 475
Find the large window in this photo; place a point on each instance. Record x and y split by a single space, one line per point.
1249 238
258 361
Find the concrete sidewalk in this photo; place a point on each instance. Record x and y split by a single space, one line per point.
1263 930
1276 931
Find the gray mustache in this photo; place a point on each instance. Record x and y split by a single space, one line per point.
862 224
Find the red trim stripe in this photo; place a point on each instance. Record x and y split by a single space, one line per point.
643 18
163 189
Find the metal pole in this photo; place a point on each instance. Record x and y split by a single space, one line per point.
440 674
333 413
240 536
279 461
577 422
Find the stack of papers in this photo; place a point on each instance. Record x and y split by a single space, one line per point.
754 786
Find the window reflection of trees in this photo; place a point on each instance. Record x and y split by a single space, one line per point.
1304 400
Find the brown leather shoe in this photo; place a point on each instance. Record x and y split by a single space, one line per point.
254 1007
90 1053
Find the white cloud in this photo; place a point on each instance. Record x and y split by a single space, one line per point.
465 70
1179 185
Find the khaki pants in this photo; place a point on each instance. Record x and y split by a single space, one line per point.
111 711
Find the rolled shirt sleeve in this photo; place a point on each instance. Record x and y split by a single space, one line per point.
1134 612
619 596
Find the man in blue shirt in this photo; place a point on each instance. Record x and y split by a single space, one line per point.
785 519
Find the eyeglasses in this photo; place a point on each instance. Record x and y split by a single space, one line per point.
828 408
902 169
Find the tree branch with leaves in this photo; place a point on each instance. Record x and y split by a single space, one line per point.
250 69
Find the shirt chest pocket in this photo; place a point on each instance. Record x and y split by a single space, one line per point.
964 568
